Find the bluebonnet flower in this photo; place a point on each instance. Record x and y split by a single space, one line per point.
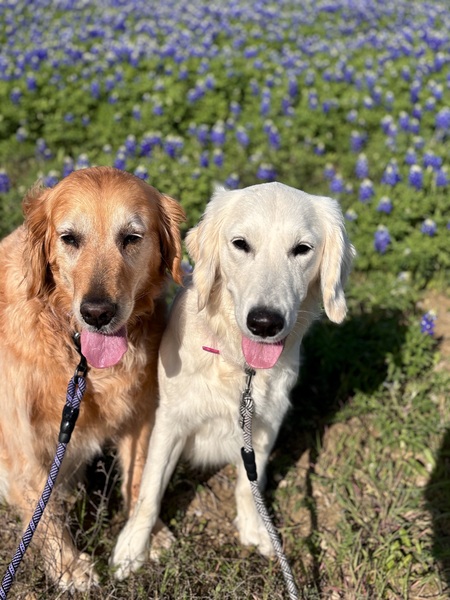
329 171
391 175
352 116
350 215
386 123
242 136
218 157
274 137
319 149
366 190
51 179
82 162
130 145
31 82
293 87
173 144
417 111
429 227
313 100
120 160
5 183
203 134
266 171
385 205
265 102
158 109
42 149
337 185
85 120
428 323
21 134
357 140
113 98
441 177
382 239
141 172
410 156
232 181
95 90
442 119
235 108
362 167
15 95
204 159
136 112
68 166
389 98
432 160
414 91
430 104
416 177
218 135
403 120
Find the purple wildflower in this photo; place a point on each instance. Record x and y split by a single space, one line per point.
266 171
5 184
232 181
329 171
141 172
357 140
242 137
428 323
442 120
366 190
350 215
429 227
68 166
385 205
337 185
82 162
362 167
218 135
120 161
432 160
416 177
218 157
391 175
204 159
382 239
441 177
410 156
51 179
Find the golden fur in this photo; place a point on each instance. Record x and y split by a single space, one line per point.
44 278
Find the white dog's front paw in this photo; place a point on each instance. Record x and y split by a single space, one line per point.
255 536
130 552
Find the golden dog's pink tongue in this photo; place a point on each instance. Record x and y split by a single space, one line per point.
102 350
260 355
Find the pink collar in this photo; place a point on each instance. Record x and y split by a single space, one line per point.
212 350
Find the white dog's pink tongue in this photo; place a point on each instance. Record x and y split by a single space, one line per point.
260 355
102 350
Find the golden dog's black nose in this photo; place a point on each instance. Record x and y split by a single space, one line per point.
98 312
264 322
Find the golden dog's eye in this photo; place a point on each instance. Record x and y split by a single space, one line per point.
241 244
301 249
130 239
69 239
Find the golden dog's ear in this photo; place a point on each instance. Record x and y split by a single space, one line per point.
37 244
336 265
172 216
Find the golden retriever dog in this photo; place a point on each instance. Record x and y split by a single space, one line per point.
91 257
265 258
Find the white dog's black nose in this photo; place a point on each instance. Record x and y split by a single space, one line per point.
264 322
98 313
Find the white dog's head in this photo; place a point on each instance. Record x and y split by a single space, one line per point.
271 246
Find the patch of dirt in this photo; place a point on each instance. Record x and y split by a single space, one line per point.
440 304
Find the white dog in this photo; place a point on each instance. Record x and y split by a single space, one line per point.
264 257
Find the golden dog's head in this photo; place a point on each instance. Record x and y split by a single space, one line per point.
98 245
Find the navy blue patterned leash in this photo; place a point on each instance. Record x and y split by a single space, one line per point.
75 392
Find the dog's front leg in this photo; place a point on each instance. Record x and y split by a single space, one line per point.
165 449
252 531
66 566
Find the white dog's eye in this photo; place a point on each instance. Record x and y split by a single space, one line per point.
241 244
301 249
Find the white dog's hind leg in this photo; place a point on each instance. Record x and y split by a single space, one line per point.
131 548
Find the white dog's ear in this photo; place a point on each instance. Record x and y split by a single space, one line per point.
335 267
202 243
